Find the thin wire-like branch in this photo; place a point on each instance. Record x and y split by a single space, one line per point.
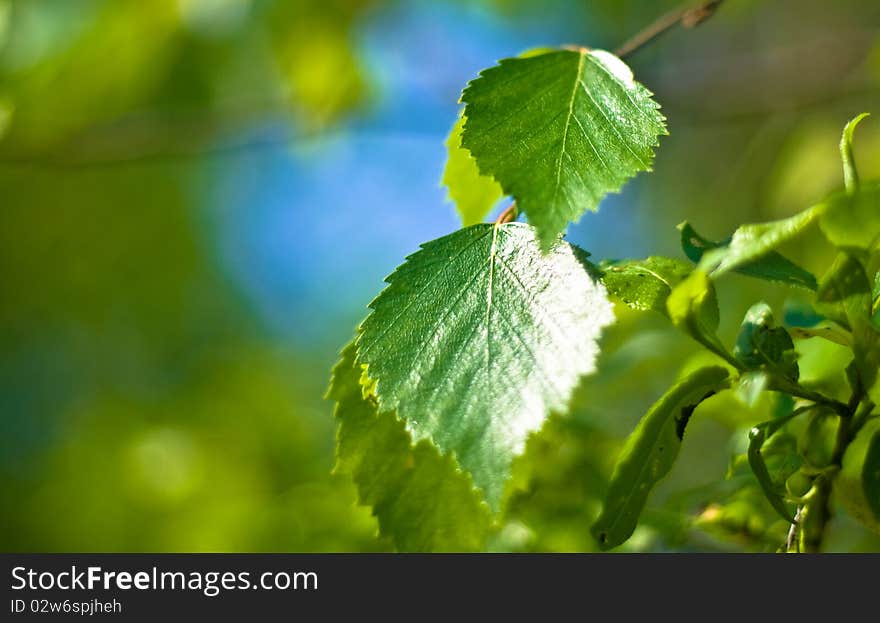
687 17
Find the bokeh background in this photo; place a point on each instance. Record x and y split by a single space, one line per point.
199 197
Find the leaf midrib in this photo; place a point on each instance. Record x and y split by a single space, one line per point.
574 89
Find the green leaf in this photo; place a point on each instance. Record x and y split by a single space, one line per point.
644 284
750 251
559 131
851 221
474 194
817 440
773 491
750 386
478 337
850 175
875 306
871 474
845 295
761 345
692 306
422 500
857 487
649 454
827 331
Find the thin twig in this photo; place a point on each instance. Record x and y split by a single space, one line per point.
687 17
792 544
789 387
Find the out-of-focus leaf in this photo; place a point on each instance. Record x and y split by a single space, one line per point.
644 284
826 331
478 337
693 307
850 174
422 500
871 474
559 131
750 251
59 94
317 59
875 305
773 491
846 296
473 194
750 386
649 454
742 518
851 221
857 486
760 344
816 443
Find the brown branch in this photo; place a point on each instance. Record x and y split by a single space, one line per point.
685 17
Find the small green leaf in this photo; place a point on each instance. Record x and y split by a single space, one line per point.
559 131
422 500
845 295
649 454
851 220
816 443
827 331
478 337
773 491
644 284
693 307
761 345
850 175
474 194
750 251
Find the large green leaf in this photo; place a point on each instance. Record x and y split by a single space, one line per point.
559 131
473 194
422 500
478 337
750 251
649 454
761 345
644 284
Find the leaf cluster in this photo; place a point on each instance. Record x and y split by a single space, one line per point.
483 334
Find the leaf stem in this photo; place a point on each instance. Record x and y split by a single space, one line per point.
687 17
789 387
715 347
508 215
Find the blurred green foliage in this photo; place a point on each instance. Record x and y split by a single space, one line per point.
145 407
